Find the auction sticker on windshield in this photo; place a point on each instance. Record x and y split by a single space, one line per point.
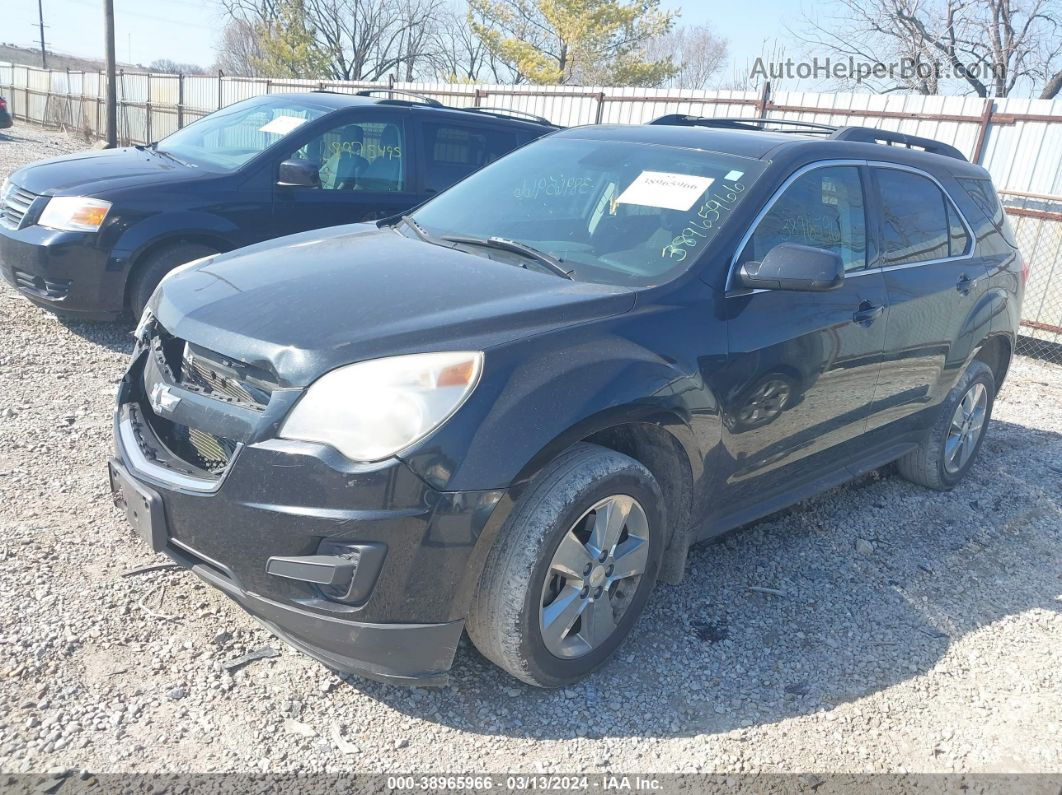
282 125
664 189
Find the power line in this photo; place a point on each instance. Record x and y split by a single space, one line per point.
152 17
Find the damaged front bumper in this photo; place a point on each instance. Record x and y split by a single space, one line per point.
365 568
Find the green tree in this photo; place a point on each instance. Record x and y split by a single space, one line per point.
575 41
289 46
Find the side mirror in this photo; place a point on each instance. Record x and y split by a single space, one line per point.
791 266
299 173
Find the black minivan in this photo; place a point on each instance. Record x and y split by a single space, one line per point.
513 410
91 234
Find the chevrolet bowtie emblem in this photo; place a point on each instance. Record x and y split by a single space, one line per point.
162 399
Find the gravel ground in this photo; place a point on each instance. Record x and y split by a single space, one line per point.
910 631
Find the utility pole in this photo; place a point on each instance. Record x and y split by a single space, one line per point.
112 87
40 16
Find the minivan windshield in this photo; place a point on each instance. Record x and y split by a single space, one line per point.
228 138
616 212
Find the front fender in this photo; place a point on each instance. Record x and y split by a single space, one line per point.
141 235
542 395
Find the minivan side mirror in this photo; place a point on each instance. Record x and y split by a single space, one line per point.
299 173
791 266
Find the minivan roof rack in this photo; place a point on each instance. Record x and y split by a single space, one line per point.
506 112
872 135
869 135
370 92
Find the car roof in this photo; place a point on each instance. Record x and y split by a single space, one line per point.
333 101
772 145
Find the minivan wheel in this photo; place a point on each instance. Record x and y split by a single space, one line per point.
150 272
950 449
571 569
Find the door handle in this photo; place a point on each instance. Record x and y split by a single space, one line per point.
867 313
965 284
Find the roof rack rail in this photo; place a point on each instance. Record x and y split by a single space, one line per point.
872 135
505 112
745 123
869 135
369 92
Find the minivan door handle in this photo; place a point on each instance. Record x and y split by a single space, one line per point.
965 284
867 313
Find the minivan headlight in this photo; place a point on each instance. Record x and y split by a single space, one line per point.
371 410
74 213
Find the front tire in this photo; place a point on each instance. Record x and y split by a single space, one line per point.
571 569
157 265
950 449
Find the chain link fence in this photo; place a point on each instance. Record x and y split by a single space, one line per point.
1037 224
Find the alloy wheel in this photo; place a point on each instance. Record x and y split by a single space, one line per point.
967 425
593 576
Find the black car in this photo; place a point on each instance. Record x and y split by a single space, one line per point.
5 115
512 411
91 234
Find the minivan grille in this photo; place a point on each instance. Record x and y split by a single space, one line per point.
15 206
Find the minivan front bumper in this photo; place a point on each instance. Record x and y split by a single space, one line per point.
401 613
62 271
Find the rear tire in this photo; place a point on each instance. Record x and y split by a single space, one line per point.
584 543
951 447
150 272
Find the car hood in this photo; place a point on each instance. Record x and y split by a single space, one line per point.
95 173
302 305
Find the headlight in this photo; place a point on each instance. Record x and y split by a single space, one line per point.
5 186
74 213
371 410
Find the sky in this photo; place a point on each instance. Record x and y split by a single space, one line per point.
186 30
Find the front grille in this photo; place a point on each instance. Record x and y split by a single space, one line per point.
52 289
211 374
173 440
205 372
15 206
202 450
178 448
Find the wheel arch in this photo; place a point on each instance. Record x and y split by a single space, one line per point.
996 351
209 239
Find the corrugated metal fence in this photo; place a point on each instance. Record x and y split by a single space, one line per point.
1018 140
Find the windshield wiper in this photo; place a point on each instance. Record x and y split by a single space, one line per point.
548 261
154 147
417 228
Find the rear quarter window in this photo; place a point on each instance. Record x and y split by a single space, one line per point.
983 194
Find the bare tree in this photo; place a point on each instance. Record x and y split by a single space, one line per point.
993 47
170 67
239 49
359 39
696 51
458 54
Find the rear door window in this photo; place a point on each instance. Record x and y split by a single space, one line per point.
915 223
453 151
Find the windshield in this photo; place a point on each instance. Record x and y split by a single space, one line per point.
228 138
611 211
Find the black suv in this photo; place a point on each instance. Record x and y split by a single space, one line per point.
91 234
513 410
